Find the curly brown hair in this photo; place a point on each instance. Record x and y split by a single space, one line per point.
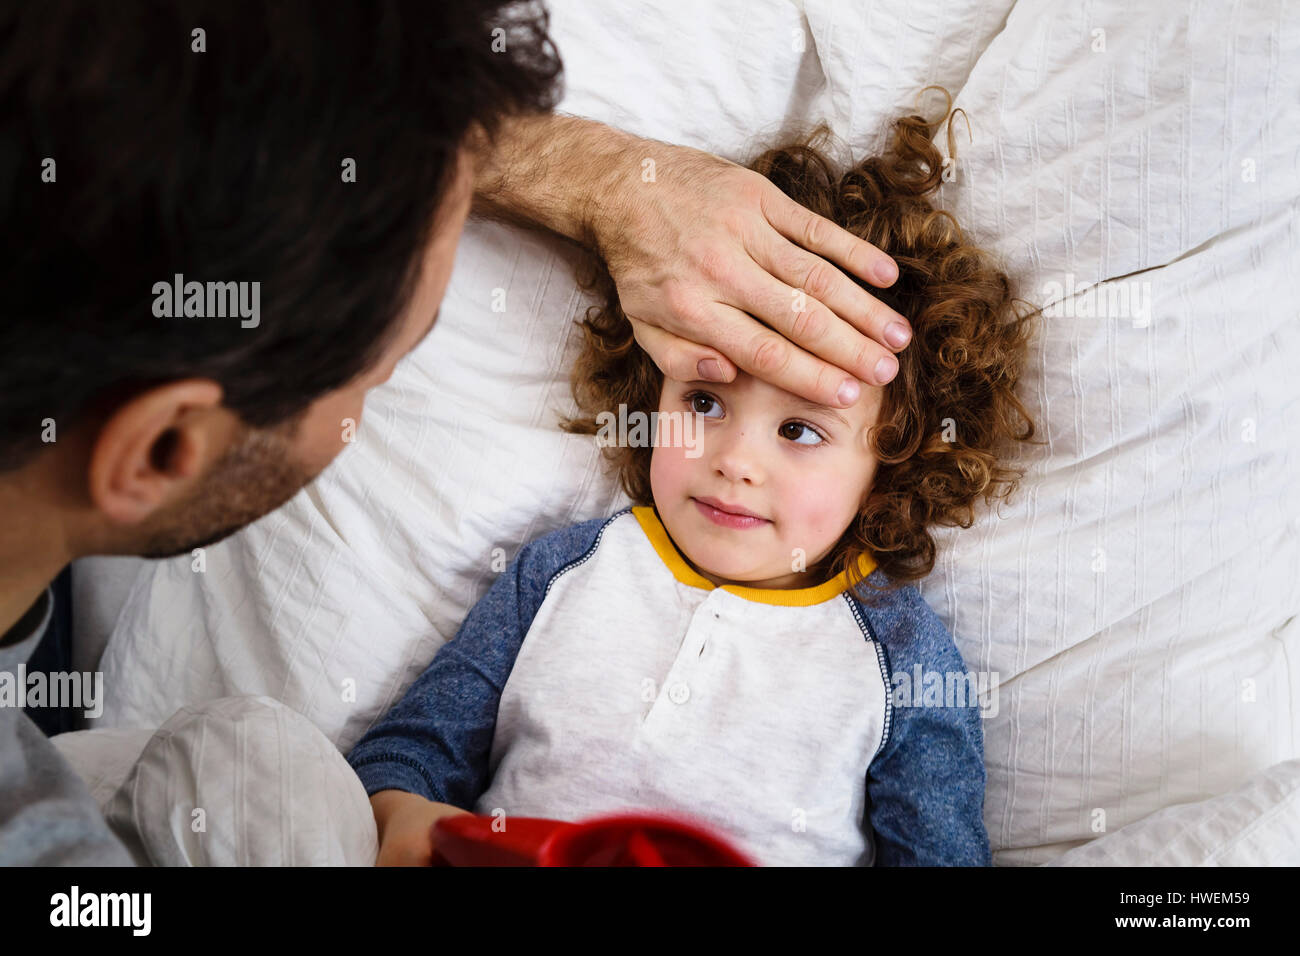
949 416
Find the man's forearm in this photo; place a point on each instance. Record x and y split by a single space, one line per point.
551 171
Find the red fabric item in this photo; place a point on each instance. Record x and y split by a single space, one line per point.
623 839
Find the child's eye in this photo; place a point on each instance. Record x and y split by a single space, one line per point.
791 430
701 402
801 433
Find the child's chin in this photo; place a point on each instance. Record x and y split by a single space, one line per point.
744 576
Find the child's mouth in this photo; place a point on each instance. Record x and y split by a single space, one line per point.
726 518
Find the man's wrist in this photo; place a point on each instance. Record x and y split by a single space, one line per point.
553 171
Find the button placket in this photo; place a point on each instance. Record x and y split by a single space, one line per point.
676 689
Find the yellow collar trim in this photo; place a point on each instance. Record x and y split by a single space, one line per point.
683 572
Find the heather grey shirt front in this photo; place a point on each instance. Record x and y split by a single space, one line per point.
47 816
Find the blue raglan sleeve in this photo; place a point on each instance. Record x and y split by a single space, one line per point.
925 786
437 740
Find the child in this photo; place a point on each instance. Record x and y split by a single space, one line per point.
735 646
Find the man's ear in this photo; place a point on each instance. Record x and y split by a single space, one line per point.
153 445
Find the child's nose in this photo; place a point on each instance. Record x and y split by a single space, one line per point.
736 458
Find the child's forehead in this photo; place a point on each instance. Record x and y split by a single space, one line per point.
744 381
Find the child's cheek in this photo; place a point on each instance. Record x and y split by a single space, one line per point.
669 469
820 509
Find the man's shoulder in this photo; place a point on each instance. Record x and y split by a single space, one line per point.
47 815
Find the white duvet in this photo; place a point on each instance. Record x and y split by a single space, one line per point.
1138 598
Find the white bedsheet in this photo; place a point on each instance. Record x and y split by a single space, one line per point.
1138 598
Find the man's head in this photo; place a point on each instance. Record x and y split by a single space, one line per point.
256 469
159 165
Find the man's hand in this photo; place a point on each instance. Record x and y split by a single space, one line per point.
405 822
700 252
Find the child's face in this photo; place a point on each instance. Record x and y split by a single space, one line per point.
755 450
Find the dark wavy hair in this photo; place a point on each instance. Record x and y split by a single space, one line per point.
226 165
951 416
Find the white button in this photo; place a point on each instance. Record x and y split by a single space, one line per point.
679 693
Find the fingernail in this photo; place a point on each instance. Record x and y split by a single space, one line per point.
709 370
896 334
886 271
886 369
849 392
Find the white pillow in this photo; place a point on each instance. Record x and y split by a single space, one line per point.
1138 596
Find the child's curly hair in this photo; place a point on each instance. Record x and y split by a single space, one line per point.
946 418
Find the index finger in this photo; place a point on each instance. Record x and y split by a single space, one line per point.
756 348
818 234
